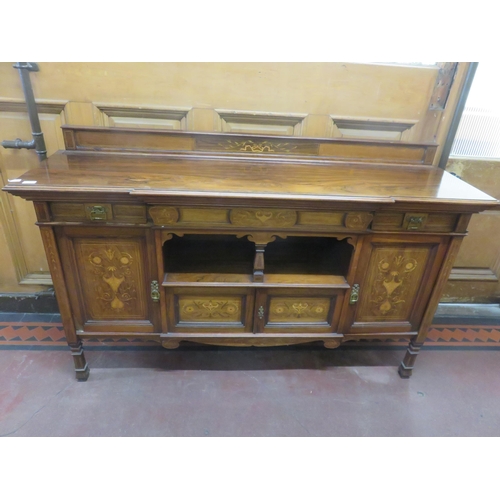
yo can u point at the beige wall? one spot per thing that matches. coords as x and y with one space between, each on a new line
386 102
475 278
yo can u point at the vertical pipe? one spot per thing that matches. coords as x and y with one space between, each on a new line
24 69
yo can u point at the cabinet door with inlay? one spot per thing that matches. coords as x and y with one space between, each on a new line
395 277
297 311
111 273
219 310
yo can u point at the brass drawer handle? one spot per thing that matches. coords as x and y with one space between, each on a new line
97 212
354 294
415 223
260 312
155 293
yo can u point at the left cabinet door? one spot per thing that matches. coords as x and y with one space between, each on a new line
110 271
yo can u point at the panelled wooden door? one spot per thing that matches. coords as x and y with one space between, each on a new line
396 276
381 101
112 283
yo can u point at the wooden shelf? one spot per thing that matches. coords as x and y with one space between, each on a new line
239 280
309 280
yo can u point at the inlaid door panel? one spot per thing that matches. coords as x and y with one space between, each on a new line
396 277
297 311
210 310
113 279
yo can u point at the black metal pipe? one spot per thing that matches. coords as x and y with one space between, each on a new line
455 122
19 144
38 142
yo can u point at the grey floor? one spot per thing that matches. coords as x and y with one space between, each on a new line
250 392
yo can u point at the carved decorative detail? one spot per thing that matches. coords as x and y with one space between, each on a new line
302 310
170 343
203 309
263 218
261 238
332 344
250 146
358 220
164 215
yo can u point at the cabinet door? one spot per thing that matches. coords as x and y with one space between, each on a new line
110 271
396 276
297 311
210 310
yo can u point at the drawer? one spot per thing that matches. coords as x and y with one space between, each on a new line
415 222
298 311
198 310
98 212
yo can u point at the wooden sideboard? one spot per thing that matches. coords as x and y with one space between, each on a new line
238 240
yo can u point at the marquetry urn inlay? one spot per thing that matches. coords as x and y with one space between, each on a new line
112 279
393 280
394 275
113 267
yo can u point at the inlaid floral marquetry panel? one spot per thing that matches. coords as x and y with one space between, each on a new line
113 279
392 283
263 218
192 309
299 310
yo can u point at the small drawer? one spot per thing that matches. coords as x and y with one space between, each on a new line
199 310
81 212
298 311
415 222
98 212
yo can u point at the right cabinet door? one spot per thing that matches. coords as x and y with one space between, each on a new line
396 275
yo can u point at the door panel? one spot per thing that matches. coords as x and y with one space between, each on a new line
113 279
393 279
396 276
112 275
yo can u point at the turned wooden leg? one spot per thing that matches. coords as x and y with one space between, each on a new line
406 366
82 370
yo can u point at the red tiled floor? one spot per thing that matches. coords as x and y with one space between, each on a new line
38 334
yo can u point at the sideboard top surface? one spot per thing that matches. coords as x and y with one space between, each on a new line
153 176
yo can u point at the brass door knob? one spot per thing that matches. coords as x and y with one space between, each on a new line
354 294
155 293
